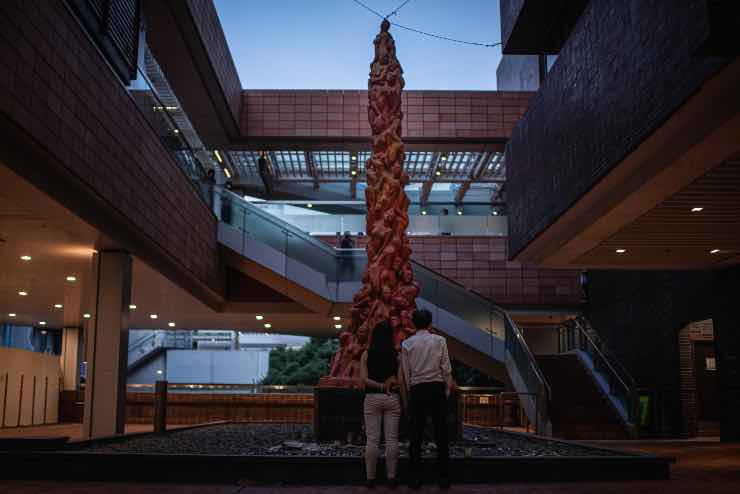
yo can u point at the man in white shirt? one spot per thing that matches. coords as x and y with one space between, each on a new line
427 375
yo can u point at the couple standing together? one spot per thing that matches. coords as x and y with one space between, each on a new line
418 380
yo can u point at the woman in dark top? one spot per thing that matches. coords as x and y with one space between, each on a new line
379 371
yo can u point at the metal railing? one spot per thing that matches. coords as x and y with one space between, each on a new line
574 335
223 388
348 265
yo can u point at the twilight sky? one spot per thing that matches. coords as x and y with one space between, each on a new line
327 44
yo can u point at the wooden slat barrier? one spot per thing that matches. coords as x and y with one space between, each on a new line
194 408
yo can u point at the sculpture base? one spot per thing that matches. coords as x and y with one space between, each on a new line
338 413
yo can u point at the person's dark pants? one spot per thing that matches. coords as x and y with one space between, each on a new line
429 400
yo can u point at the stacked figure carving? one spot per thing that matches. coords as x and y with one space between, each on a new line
388 288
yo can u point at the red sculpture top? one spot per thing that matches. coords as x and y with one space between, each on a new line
388 288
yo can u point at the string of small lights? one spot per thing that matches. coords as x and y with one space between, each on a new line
419 31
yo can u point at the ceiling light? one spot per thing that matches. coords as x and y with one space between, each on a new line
12 314
71 278
268 325
621 251
43 332
309 205
86 315
423 212
353 173
354 158
58 306
338 326
22 293
494 212
337 318
132 306
438 173
176 131
259 317
25 258
160 371
153 316
696 209
43 323
227 173
459 212
171 324
443 158
218 156
714 251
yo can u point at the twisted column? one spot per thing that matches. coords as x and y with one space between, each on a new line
388 288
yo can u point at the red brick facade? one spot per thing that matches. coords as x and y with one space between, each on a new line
57 92
696 331
487 115
480 264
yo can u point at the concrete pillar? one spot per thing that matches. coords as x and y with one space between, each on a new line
107 346
726 320
70 359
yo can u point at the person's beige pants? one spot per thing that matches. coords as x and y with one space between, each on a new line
386 407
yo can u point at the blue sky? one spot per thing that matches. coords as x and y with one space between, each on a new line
327 44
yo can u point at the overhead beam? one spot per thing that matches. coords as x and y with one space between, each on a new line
474 175
426 189
312 171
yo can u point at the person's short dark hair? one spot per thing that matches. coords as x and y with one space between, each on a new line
422 319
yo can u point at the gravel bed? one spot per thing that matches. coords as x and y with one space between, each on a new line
298 440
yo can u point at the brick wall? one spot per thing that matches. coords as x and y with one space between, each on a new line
212 35
343 113
696 331
480 264
624 69
60 100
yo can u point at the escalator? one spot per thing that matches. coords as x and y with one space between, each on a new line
325 279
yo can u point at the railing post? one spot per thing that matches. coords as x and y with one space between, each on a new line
160 407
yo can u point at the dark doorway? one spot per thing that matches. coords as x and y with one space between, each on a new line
707 397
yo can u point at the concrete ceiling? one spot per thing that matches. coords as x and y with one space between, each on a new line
61 245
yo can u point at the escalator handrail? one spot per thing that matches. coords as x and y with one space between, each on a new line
328 249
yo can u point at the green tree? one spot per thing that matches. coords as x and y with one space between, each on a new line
304 366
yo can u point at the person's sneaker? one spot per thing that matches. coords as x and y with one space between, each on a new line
392 483
444 483
370 483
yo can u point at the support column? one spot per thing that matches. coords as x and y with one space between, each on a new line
107 346
726 320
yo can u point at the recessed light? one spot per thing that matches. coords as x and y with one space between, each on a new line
438 173
218 156
354 158
132 306
696 209
58 306
714 251
337 318
444 158
423 213
160 371
171 324
176 131
338 326
259 317
86 315
22 293
268 325
12 314
43 332
495 213
353 172
71 278
153 316
43 323
309 205
25 258
459 212
621 251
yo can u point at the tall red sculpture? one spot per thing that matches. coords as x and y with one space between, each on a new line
388 288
